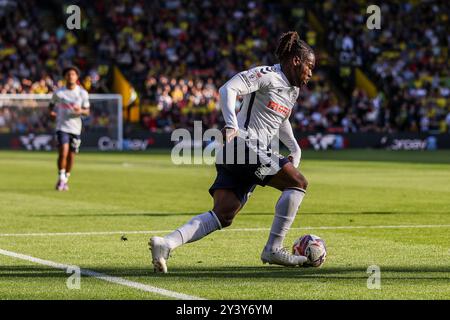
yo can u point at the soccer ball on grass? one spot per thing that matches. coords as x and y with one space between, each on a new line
312 247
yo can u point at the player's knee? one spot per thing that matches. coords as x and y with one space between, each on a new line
64 151
304 183
301 181
226 213
226 221
225 218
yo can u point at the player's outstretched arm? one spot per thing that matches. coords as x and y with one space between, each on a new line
51 107
51 110
287 137
243 83
228 94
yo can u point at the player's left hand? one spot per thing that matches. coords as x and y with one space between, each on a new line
229 133
294 158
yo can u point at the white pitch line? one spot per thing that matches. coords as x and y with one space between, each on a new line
350 227
102 276
95 233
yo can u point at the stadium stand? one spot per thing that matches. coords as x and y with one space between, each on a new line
177 54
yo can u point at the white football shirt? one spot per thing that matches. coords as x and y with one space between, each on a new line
64 101
268 99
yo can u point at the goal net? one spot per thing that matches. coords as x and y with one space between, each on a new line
25 122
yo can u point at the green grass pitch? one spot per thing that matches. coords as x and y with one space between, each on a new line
362 203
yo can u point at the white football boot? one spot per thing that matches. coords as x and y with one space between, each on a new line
282 257
160 253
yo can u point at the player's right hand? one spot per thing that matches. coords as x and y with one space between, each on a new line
52 115
229 133
76 110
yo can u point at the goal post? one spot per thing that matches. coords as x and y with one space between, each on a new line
27 114
95 99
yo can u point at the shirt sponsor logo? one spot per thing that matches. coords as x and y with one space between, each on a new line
278 108
66 105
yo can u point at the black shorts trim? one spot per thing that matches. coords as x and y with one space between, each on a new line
297 189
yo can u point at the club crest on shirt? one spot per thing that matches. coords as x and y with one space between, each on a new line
250 76
253 76
293 95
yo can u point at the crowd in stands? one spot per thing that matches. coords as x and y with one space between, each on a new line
36 119
177 54
178 102
408 57
33 55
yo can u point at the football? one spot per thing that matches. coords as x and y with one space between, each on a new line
312 247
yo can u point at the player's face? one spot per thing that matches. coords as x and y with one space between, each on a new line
71 77
303 69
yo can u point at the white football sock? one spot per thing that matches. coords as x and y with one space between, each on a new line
197 228
285 212
62 174
67 176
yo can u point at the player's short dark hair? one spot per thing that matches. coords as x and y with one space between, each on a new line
291 45
67 69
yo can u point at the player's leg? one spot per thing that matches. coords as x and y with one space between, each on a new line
63 151
288 177
293 186
226 206
73 149
229 193
70 160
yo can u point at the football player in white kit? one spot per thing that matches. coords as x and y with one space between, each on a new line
269 94
67 105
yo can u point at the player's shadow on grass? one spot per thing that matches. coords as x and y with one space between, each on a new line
132 214
242 272
191 214
331 273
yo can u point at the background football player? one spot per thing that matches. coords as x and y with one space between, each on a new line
67 106
269 94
